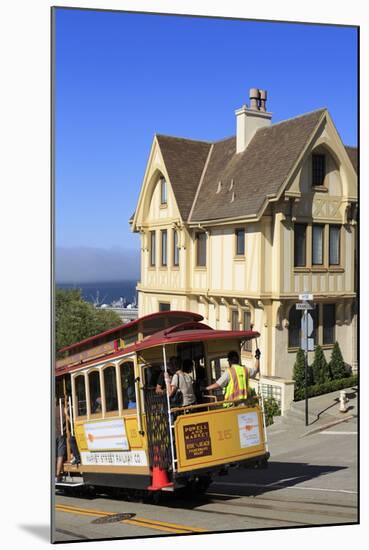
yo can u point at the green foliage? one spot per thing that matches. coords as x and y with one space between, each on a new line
299 369
271 409
326 387
76 319
337 365
320 367
299 372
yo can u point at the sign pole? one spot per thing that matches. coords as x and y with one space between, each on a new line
306 368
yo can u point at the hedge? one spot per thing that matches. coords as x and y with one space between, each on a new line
326 387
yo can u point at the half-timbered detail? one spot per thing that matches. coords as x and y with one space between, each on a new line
258 218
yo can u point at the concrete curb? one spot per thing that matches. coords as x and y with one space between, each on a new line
328 425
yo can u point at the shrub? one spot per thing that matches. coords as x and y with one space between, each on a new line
320 367
326 387
337 366
271 409
299 370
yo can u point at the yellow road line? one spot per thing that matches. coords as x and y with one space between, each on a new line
87 510
79 512
143 522
154 526
171 525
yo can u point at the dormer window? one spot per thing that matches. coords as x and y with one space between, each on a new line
318 170
163 191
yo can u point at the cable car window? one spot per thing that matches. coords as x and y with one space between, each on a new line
110 385
81 395
95 391
192 350
127 376
151 375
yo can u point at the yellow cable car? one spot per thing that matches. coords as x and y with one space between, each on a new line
125 429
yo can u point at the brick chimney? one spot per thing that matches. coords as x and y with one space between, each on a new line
250 119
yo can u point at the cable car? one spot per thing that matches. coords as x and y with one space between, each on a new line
130 435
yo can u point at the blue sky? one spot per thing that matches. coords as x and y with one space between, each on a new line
121 78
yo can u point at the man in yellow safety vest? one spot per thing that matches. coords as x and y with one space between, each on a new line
235 379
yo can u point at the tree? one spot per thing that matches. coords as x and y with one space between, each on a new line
337 366
76 319
299 370
320 367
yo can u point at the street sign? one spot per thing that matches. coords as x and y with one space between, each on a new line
305 305
307 344
306 296
307 326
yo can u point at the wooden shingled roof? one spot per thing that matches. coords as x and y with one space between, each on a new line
247 178
210 181
352 153
184 160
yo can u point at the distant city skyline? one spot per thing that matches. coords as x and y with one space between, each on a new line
122 77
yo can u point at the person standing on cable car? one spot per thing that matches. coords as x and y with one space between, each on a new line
60 443
235 379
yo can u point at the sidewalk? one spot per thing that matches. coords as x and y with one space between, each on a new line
323 412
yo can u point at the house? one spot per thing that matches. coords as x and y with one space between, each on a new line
236 229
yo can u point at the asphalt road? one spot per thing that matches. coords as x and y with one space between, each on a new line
311 480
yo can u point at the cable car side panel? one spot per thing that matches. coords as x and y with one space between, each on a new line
217 437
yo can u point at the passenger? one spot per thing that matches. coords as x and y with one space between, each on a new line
235 379
59 441
182 382
75 456
97 405
131 394
200 383
171 367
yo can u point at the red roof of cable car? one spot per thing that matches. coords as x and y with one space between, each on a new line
201 335
128 326
184 332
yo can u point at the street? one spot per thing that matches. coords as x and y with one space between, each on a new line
311 480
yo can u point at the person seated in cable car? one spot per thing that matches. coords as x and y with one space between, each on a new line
97 405
131 394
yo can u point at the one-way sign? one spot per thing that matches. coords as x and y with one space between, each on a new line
305 305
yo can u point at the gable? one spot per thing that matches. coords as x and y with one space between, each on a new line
184 161
340 176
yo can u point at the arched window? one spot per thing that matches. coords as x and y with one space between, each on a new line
81 395
294 328
110 385
95 392
127 377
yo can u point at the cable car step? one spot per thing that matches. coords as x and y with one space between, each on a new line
171 488
71 483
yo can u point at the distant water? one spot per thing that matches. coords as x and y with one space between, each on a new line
107 292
